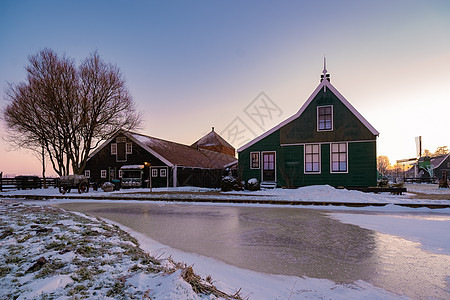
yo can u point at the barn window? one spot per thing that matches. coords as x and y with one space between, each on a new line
113 149
154 172
325 118
103 173
87 173
254 160
162 173
129 148
339 157
312 158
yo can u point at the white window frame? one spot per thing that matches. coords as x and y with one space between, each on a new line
113 149
319 156
120 173
332 118
87 173
129 148
338 153
259 160
162 172
154 172
103 173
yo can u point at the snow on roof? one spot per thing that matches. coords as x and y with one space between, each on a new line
127 167
173 153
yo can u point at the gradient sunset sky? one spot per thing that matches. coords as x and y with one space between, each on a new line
191 65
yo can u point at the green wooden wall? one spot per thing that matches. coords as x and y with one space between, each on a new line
290 158
290 165
347 127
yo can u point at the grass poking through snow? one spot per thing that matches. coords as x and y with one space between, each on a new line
48 253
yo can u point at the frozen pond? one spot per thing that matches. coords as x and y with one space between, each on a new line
286 240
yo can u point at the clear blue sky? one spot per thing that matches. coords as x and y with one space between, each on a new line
191 65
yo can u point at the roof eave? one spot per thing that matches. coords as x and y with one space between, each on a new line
324 83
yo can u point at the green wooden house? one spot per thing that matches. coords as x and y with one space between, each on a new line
326 142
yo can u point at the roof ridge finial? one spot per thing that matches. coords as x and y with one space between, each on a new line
325 74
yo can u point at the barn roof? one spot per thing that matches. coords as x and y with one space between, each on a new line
172 153
211 139
438 160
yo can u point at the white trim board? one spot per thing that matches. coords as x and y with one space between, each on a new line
328 142
323 84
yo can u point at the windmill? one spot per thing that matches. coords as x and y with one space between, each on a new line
419 162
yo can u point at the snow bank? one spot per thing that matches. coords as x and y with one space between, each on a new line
430 231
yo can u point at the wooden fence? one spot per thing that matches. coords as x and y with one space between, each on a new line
26 182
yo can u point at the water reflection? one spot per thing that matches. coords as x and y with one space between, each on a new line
289 241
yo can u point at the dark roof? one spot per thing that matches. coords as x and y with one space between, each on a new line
173 153
438 160
211 139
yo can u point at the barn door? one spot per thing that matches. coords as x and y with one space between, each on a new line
268 167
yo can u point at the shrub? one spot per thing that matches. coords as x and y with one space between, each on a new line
253 184
229 183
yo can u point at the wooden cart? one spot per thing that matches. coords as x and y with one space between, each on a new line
80 182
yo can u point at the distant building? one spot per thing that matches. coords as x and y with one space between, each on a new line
326 142
167 163
214 142
424 165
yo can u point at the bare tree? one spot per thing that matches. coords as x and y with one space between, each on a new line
441 150
36 113
383 164
68 111
106 106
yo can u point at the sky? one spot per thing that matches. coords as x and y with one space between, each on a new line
193 65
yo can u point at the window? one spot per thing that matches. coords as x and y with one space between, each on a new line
162 173
324 118
120 173
339 157
129 148
113 149
312 158
103 173
154 172
87 173
254 160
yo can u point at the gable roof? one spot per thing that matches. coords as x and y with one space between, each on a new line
211 139
175 154
324 84
438 160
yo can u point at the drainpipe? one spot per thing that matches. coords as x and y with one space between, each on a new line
175 175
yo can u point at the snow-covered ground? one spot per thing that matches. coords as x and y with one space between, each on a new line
46 253
428 227
308 193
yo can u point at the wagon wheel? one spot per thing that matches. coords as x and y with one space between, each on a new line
83 188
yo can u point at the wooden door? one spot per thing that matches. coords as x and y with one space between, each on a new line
268 166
